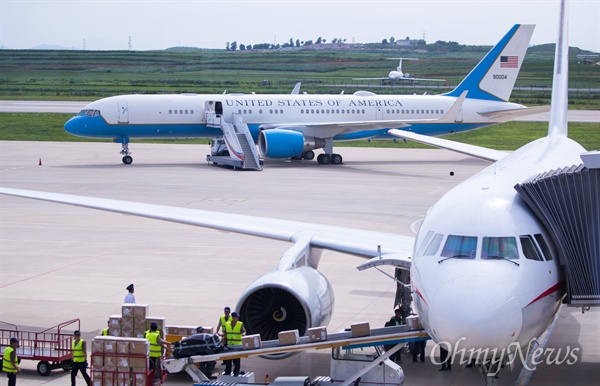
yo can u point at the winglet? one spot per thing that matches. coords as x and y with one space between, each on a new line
560 82
495 75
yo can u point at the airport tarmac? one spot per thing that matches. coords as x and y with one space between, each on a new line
59 262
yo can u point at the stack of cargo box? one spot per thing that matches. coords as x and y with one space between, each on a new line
121 358
118 361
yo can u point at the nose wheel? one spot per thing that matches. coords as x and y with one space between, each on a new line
127 158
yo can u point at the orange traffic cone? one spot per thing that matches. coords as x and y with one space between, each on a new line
267 379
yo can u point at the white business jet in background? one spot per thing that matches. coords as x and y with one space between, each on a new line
485 272
399 75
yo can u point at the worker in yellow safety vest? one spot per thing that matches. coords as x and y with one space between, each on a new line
234 330
105 331
224 319
79 362
10 361
156 347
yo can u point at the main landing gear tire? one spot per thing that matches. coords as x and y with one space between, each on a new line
324 159
336 159
308 155
127 160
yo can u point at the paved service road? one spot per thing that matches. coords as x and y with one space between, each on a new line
74 107
60 262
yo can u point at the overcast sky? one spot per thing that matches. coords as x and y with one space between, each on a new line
153 24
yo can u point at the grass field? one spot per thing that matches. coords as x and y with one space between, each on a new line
90 75
507 136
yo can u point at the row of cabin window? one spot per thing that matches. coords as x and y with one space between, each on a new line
181 111
412 111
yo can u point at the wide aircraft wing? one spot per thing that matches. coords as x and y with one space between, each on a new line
363 243
463 148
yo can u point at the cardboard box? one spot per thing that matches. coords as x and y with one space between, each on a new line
139 346
127 323
138 364
251 341
110 363
360 329
123 364
317 334
110 346
114 321
97 361
414 323
141 311
123 379
97 345
114 331
127 310
289 337
122 347
140 379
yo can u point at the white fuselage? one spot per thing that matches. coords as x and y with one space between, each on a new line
466 296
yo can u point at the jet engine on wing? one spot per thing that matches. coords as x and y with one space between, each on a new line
299 298
284 143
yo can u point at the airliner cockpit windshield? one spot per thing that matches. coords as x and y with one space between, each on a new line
89 113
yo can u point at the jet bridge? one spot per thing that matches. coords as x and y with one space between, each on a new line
395 335
567 201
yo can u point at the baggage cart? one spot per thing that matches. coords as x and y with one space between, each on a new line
52 346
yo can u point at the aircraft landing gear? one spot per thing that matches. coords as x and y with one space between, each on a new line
127 158
325 159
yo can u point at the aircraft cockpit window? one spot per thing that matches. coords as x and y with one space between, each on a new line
96 113
434 246
464 247
499 248
82 113
530 250
544 246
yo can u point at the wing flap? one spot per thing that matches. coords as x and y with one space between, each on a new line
472 150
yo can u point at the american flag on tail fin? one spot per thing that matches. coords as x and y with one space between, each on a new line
509 61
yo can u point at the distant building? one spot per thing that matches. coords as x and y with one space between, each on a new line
408 42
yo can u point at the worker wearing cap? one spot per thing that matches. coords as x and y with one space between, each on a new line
79 362
224 319
10 361
130 297
234 330
156 347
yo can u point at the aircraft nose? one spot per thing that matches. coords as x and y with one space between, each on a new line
477 311
72 126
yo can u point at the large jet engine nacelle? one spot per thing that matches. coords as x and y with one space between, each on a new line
283 143
296 299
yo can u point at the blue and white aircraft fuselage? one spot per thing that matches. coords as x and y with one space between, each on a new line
293 125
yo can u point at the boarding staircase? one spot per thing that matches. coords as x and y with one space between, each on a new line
567 201
240 144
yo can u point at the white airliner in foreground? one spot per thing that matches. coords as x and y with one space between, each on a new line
484 271
399 75
294 125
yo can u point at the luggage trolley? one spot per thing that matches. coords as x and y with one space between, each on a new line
52 346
